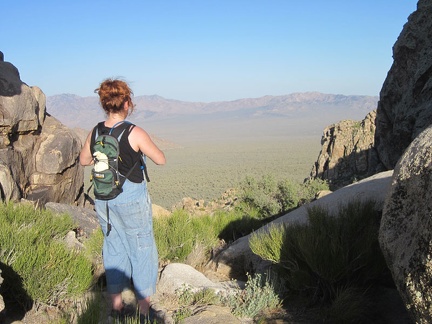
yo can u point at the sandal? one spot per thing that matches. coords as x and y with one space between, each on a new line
149 318
121 314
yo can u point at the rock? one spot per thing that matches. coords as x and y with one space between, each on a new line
347 152
405 105
72 242
406 227
200 207
39 155
9 188
212 315
86 219
322 193
159 211
176 276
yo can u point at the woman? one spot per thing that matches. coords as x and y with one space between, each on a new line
129 251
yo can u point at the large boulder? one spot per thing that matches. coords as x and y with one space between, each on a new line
405 105
38 154
406 227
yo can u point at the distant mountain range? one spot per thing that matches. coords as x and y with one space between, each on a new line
297 113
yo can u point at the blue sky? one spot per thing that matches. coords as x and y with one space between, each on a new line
204 50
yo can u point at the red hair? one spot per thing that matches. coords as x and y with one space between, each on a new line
113 94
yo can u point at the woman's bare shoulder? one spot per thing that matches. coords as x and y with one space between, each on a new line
137 131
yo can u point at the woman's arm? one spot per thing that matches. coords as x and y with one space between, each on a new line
86 157
141 141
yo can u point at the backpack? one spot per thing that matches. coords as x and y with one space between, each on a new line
105 177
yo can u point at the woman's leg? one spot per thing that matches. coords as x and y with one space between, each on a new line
116 302
115 257
141 243
144 305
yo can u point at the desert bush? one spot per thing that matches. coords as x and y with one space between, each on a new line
330 254
260 294
309 188
261 194
188 297
178 235
288 194
174 236
93 245
36 264
271 197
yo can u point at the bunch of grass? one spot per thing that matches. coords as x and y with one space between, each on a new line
188 300
330 256
174 236
36 264
178 235
260 294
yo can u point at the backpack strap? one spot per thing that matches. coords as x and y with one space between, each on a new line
144 166
122 127
142 159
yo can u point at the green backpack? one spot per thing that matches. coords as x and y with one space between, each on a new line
106 179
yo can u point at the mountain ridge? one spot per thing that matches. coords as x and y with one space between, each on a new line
301 111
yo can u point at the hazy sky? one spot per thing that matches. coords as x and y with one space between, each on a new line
208 50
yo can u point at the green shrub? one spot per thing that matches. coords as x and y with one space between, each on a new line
206 296
262 195
32 253
177 235
174 236
93 245
288 194
271 198
269 244
328 255
309 188
260 294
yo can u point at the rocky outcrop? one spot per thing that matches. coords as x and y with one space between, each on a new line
406 227
404 110
405 105
38 155
347 152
